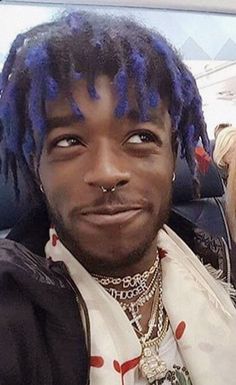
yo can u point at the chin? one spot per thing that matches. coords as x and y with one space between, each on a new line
106 254
109 250
108 260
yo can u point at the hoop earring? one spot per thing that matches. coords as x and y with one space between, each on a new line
41 188
173 177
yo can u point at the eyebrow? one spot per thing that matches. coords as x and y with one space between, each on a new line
154 117
133 114
61 121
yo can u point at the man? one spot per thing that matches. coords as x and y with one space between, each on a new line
92 108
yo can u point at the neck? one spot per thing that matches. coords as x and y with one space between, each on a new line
130 265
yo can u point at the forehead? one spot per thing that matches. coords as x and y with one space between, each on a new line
105 103
105 92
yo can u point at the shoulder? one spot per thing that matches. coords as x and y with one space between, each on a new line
20 263
15 304
21 348
31 294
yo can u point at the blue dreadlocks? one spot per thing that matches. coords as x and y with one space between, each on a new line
46 60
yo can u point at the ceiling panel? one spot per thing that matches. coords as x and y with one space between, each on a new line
226 6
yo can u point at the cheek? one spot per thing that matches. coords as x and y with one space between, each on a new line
162 187
60 182
154 183
160 192
157 174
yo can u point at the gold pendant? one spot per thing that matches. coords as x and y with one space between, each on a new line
151 366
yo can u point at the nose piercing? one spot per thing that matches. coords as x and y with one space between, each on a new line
105 190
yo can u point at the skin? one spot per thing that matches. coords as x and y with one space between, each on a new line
78 157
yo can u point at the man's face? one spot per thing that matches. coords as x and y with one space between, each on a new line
81 157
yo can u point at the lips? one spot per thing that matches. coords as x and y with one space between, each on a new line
111 215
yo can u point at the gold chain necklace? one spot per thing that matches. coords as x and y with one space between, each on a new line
141 289
151 365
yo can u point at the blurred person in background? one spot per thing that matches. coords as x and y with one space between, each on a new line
224 156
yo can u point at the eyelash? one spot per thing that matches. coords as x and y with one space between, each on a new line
152 138
67 137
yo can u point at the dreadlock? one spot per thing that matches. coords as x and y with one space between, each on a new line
46 60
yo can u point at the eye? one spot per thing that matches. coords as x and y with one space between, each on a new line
142 137
66 142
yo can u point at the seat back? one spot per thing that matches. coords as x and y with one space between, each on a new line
206 212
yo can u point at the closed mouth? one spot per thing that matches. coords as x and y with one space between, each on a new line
109 209
110 215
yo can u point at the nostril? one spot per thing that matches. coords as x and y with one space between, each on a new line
121 183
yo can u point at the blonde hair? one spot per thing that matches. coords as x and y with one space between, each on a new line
225 142
220 127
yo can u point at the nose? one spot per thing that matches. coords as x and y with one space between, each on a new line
107 169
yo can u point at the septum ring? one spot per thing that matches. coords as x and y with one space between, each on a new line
105 190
